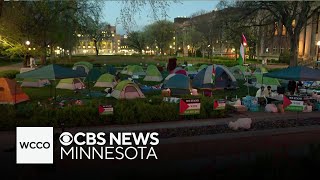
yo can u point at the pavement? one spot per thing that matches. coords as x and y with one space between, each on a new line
16 66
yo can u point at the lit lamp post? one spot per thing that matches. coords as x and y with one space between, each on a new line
170 49
27 57
188 49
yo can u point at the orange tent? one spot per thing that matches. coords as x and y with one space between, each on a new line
10 92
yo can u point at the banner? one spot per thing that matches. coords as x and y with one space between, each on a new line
189 106
219 104
296 104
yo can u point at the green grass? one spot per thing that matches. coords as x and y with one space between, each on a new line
8 61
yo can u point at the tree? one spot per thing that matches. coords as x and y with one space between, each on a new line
137 40
294 15
161 34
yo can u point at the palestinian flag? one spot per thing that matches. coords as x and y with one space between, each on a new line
241 57
244 40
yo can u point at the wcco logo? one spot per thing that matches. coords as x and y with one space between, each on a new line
34 145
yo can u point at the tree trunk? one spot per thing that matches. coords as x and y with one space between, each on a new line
294 41
44 55
97 50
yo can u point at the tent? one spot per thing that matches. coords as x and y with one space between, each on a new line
50 72
136 70
266 81
240 72
178 84
127 90
106 80
93 75
83 65
223 78
125 69
203 66
153 74
179 70
34 83
191 70
10 92
70 83
297 73
109 69
260 70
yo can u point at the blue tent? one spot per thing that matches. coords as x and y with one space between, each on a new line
109 69
297 73
223 78
178 84
93 75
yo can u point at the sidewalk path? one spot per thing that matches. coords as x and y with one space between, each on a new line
16 66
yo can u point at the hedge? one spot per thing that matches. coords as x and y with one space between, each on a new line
11 74
125 112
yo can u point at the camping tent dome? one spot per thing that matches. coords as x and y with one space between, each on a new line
178 84
83 65
179 70
70 83
240 72
10 92
93 75
127 90
266 81
106 80
260 70
153 74
203 66
191 70
222 79
136 70
125 70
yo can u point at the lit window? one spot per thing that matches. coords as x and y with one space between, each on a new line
275 28
284 30
112 35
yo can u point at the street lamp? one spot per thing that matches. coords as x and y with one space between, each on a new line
27 43
170 49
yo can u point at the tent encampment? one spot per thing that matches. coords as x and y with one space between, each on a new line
178 84
153 74
84 65
223 78
136 70
106 80
127 90
70 83
240 72
35 83
11 92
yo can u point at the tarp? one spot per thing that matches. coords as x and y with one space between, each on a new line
153 74
50 72
10 92
297 73
106 80
127 90
84 64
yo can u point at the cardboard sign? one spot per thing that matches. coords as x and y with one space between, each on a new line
105 110
296 104
219 104
189 106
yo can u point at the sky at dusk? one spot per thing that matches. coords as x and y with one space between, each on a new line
111 12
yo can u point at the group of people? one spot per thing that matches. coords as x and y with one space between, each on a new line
262 92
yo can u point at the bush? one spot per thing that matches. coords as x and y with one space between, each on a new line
284 58
10 74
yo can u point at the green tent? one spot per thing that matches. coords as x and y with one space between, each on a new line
240 72
106 80
135 70
203 66
191 70
153 74
266 81
70 83
260 70
50 72
127 90
125 69
83 65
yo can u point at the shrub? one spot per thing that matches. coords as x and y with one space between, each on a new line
11 74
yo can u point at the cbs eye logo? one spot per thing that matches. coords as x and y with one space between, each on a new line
66 138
